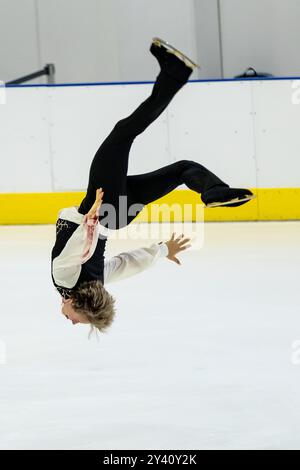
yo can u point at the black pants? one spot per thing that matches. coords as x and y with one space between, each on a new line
110 164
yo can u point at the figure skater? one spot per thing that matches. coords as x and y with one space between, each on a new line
78 269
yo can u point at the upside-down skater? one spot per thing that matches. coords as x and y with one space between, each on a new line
79 269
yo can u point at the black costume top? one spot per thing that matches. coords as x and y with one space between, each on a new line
78 253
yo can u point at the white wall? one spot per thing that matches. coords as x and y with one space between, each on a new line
209 54
108 40
138 21
18 38
91 40
246 132
80 37
264 34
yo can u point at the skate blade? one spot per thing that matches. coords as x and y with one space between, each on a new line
232 201
172 50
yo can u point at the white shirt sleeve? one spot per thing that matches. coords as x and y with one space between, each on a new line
78 249
132 262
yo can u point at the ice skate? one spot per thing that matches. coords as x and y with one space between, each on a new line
172 50
225 196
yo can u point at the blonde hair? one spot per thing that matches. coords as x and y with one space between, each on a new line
92 300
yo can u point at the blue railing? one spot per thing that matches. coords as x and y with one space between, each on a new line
212 80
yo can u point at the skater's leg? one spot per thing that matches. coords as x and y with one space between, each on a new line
163 92
110 164
173 75
148 187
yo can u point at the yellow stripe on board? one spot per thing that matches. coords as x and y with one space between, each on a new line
43 208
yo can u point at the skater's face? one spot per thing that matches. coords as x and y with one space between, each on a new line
70 314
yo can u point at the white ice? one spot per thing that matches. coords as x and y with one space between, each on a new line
200 356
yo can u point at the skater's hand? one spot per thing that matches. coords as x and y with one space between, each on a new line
94 210
175 245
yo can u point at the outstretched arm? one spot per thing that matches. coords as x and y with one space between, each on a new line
129 263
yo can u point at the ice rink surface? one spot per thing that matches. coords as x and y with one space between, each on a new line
200 356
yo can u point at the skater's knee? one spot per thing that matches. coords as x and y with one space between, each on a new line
117 130
120 124
122 132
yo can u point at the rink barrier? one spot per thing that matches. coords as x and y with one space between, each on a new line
143 82
249 138
43 208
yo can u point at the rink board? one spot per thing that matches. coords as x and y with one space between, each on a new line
247 132
270 204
